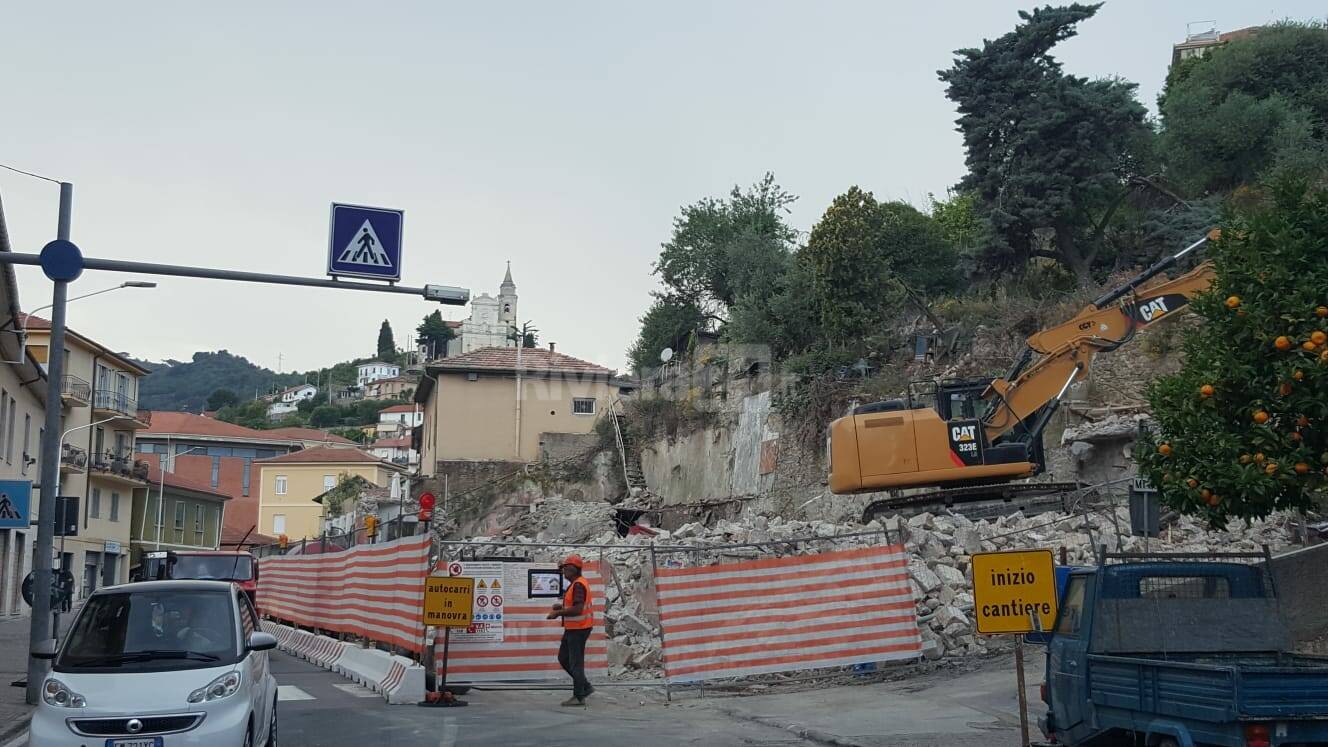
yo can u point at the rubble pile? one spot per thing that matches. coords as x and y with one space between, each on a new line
940 546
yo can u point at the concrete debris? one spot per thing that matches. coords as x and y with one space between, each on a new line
940 548
1114 428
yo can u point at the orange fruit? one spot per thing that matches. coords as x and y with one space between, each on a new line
1271 468
1308 346
1303 421
1192 482
1302 468
1321 312
1205 494
1164 449
1323 357
1233 302
1282 343
1298 375
1206 391
1319 337
1295 437
1245 459
1213 500
1259 457
1260 417
1284 389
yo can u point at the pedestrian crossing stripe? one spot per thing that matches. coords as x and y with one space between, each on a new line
357 690
291 692
365 248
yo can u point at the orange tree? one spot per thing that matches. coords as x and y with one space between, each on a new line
1242 429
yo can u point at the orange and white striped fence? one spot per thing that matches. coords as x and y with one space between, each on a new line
777 614
528 651
373 591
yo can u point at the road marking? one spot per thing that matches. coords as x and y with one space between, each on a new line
291 692
359 691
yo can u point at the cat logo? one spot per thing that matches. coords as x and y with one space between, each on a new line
964 433
1153 309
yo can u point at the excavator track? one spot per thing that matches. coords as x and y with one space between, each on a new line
968 494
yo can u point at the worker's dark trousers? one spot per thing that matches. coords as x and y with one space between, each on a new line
572 655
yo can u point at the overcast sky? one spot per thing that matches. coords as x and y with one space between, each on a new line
561 136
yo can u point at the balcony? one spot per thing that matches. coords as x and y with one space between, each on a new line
75 392
121 468
73 459
108 403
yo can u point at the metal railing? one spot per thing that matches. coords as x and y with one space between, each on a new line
76 388
115 401
73 456
120 463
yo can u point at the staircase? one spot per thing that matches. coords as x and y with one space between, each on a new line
628 453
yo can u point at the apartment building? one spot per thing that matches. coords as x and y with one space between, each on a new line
290 483
98 463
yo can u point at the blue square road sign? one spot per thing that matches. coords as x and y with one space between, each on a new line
15 503
365 242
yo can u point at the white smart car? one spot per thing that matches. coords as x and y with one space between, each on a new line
160 664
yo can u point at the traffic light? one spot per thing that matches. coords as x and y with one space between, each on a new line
371 525
282 541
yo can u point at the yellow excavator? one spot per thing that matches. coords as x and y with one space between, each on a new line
970 438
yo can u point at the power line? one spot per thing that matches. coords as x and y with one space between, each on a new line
29 173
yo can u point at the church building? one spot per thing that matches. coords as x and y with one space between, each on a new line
491 320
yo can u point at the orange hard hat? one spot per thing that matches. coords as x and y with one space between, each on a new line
573 559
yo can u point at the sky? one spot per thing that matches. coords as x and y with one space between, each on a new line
564 137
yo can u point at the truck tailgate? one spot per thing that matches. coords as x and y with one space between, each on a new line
1211 691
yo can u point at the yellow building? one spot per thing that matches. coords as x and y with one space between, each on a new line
98 460
288 485
494 403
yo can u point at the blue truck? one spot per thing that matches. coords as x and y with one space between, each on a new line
1160 651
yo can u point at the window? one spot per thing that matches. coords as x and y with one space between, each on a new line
244 486
13 417
248 620
198 524
27 443
179 515
1184 587
4 396
281 484
94 504
115 506
583 406
1072 608
216 470
329 482
279 523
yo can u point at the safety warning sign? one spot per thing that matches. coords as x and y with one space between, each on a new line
447 601
1012 588
486 625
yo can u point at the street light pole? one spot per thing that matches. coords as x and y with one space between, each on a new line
61 272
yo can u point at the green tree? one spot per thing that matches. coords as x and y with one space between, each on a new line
722 249
665 323
387 347
252 414
1049 154
222 398
434 334
1242 428
326 416
1247 108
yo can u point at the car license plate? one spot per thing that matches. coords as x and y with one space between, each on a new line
138 742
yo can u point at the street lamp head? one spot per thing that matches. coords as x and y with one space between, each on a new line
138 284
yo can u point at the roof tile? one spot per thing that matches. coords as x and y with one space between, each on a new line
505 359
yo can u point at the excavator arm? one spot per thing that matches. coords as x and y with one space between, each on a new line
1059 356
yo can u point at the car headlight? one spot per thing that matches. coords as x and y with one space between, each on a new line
58 694
222 687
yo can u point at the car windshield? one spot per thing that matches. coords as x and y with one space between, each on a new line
213 567
152 629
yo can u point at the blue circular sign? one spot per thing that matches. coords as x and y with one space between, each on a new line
61 260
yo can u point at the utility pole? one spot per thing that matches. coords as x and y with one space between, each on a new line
61 263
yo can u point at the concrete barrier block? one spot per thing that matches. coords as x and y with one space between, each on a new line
404 682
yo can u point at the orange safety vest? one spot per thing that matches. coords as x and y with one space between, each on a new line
584 620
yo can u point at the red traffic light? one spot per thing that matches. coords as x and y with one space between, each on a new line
425 514
427 501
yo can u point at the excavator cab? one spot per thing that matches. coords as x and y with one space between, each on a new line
934 436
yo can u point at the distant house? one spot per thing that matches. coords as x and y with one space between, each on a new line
298 393
290 483
375 370
396 387
396 450
397 420
279 409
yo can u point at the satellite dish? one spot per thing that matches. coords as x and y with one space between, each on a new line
666 355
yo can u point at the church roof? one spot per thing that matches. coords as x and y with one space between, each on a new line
507 279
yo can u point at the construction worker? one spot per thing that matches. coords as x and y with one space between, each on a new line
577 619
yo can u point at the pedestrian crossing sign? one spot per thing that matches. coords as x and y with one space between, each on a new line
365 242
15 503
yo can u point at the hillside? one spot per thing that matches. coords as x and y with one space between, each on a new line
176 385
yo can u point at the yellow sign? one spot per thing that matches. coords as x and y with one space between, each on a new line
448 601
1009 587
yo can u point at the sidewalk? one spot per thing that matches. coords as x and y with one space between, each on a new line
13 666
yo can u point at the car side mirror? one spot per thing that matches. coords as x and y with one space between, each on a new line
260 641
45 649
